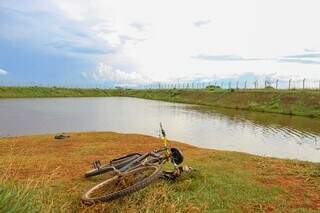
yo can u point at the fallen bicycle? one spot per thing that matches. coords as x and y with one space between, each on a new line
134 172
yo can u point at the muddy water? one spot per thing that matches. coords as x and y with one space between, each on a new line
257 133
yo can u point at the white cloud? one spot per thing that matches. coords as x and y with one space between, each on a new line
106 72
157 40
3 72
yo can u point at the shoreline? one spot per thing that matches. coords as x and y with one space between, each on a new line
12 137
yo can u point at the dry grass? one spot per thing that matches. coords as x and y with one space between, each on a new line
48 174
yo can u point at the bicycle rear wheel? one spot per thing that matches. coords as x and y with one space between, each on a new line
122 185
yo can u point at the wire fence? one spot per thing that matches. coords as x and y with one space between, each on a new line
223 84
241 84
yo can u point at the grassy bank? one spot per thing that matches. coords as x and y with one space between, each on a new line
47 175
290 102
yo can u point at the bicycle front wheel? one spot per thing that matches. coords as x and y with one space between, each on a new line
122 185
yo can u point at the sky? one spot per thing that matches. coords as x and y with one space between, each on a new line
123 42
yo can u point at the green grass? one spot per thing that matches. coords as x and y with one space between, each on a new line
43 92
289 102
24 198
16 199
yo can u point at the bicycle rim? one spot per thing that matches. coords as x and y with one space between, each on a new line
119 186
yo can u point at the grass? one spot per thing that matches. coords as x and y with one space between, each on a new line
15 199
289 102
40 92
47 174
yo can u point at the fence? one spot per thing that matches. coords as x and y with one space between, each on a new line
241 84
224 84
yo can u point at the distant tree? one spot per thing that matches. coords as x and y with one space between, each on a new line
212 87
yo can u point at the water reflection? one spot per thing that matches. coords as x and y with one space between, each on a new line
258 133
302 129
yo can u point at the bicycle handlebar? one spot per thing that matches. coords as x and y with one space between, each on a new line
162 130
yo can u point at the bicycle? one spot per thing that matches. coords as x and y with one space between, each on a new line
133 172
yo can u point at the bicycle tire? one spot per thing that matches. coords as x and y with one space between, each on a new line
90 199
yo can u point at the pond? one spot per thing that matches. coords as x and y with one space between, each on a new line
263 134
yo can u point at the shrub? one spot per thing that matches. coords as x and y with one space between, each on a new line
213 87
269 87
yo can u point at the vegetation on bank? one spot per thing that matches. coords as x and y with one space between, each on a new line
41 174
290 102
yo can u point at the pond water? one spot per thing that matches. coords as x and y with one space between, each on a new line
263 134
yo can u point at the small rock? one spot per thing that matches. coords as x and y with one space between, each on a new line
61 136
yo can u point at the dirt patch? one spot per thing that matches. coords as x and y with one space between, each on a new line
302 191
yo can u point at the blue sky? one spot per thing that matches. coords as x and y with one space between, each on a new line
131 43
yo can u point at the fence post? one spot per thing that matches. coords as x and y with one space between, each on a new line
303 83
277 83
245 84
290 83
237 84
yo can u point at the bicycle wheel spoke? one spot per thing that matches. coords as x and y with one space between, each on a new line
127 183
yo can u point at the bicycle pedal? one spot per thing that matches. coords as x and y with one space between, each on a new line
187 169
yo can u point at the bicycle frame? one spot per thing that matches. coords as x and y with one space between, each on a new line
134 160
158 158
156 155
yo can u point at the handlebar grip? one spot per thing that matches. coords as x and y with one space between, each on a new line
162 130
